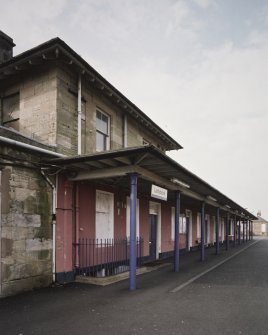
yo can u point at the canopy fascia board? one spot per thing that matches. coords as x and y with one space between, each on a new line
144 174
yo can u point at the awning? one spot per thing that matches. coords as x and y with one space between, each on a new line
152 166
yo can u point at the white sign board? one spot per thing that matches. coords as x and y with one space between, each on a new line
159 193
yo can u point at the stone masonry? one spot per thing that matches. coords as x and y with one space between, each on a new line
26 242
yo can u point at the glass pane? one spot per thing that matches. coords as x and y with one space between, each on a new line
100 142
102 122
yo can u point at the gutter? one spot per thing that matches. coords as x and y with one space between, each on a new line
79 116
29 147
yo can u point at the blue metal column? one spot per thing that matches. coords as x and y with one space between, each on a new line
243 231
133 246
202 251
239 231
217 231
246 230
235 230
177 233
227 232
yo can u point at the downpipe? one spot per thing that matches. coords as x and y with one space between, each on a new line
54 206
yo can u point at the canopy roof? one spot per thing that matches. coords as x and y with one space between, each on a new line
152 166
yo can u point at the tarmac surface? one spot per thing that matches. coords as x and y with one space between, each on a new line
226 294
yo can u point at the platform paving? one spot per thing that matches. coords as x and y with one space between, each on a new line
231 298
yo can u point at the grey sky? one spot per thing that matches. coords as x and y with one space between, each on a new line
197 67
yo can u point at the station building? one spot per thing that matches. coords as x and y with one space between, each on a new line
86 186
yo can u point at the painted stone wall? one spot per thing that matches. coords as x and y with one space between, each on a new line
26 239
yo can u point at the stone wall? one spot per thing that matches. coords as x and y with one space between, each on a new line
26 230
37 104
92 99
260 227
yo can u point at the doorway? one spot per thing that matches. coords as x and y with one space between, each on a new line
188 230
152 236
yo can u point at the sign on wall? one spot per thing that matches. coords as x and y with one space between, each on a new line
159 193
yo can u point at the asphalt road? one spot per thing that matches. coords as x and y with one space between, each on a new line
230 299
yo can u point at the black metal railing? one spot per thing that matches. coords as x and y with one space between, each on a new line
105 257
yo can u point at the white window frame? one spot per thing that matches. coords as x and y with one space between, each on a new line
110 227
100 132
182 224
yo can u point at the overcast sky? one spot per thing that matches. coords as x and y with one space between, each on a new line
198 68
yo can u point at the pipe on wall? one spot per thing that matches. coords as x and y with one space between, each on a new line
0 233
29 147
77 221
125 144
54 207
79 116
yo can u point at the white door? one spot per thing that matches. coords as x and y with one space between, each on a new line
104 215
155 209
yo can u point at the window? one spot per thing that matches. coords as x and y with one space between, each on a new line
10 105
182 224
104 215
102 131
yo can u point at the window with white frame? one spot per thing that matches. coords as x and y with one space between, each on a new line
104 215
102 131
182 224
